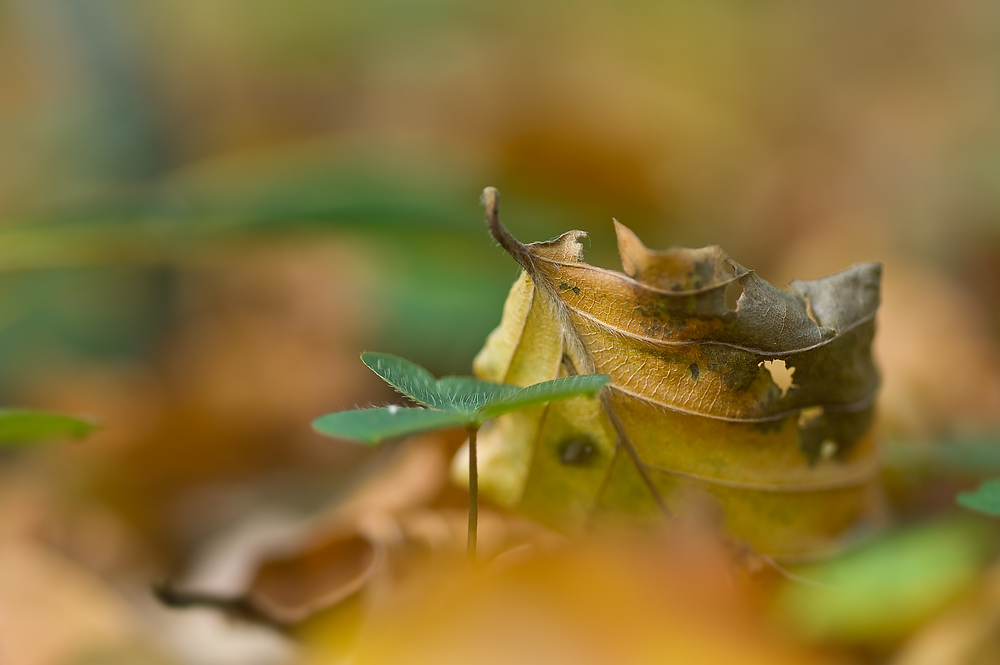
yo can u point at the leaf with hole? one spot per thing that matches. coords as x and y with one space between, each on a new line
722 386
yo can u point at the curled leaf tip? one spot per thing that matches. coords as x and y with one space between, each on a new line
491 201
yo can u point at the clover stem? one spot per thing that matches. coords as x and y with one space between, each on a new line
473 494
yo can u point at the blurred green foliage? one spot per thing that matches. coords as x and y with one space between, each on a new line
879 593
133 137
986 498
969 455
23 426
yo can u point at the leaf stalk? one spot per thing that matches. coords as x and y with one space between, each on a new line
473 495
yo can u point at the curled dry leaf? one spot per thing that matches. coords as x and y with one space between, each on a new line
333 579
693 342
338 567
334 558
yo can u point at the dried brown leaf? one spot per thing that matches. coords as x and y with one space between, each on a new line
693 342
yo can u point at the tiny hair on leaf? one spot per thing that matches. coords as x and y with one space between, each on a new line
376 425
452 401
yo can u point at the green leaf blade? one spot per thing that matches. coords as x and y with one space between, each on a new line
373 426
986 498
407 377
25 426
547 391
469 394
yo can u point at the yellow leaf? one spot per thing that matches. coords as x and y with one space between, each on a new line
723 386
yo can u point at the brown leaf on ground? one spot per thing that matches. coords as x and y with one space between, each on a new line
722 386
327 578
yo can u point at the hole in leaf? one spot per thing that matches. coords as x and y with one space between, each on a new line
828 449
577 451
693 368
781 374
809 310
809 415
733 292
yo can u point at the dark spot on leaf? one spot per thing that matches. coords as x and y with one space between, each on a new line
563 286
694 371
701 274
577 451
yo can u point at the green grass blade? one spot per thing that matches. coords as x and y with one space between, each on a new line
407 377
20 426
548 391
986 498
375 425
